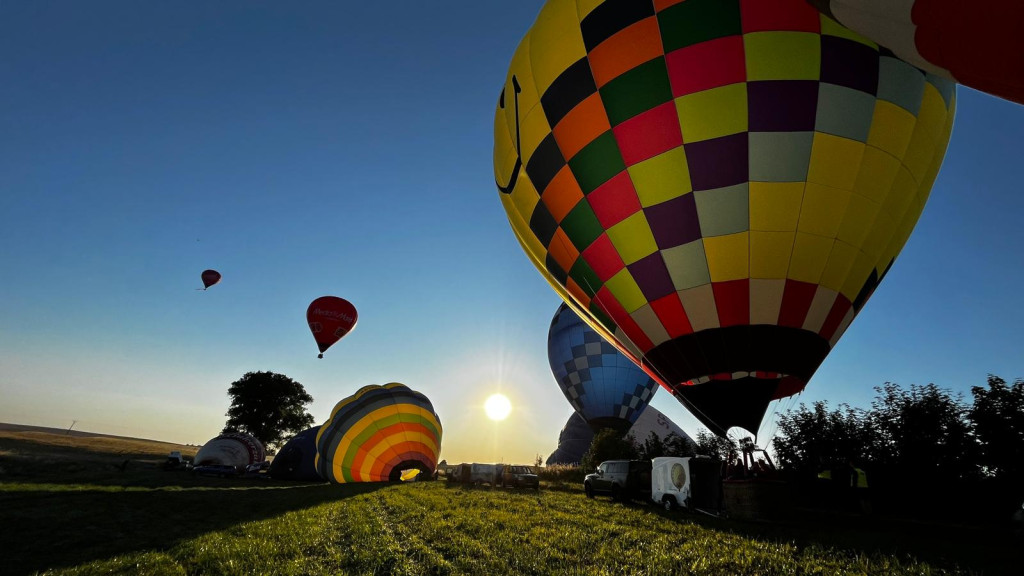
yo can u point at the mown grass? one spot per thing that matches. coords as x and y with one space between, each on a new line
420 528
173 523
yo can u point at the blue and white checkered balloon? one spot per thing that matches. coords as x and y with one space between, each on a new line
601 383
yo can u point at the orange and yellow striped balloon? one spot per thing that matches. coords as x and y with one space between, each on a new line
376 434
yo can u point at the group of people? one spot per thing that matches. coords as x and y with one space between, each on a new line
735 469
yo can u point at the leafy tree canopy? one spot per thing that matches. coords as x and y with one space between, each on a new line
814 439
998 418
269 406
656 447
923 431
715 446
608 444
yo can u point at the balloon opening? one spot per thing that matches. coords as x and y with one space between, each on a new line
406 466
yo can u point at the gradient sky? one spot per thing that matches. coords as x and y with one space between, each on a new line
346 150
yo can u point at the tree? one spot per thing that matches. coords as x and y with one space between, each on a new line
608 444
923 432
269 406
678 446
652 447
814 439
715 446
998 419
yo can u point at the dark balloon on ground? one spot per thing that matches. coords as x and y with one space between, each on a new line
296 460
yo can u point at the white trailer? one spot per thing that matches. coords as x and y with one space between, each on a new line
484 474
689 482
475 473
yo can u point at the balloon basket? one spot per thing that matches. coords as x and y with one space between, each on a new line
756 499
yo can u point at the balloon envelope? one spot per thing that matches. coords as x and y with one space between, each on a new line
979 43
232 449
717 186
601 383
576 435
378 433
296 460
210 277
330 318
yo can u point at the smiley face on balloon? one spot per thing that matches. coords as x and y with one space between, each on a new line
716 186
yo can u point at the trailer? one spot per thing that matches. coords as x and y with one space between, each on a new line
692 482
475 473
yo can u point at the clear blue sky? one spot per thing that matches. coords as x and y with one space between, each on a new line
346 150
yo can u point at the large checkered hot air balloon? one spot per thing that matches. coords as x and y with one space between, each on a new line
376 434
604 386
979 43
717 186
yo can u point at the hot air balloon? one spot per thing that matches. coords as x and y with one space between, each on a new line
600 383
330 318
234 449
296 460
210 277
576 435
377 434
979 43
716 186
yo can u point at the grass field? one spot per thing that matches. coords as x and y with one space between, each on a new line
62 514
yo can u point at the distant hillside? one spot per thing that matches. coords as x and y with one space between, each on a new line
5 426
34 442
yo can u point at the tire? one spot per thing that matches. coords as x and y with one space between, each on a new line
668 503
588 489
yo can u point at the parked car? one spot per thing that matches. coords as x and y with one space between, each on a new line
175 461
519 477
218 470
620 479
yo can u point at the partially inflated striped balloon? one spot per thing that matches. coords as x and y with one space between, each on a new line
376 434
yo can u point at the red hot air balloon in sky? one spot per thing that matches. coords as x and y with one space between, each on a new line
330 318
210 277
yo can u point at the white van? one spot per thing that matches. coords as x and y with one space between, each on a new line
690 482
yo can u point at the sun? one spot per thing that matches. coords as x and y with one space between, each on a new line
497 407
